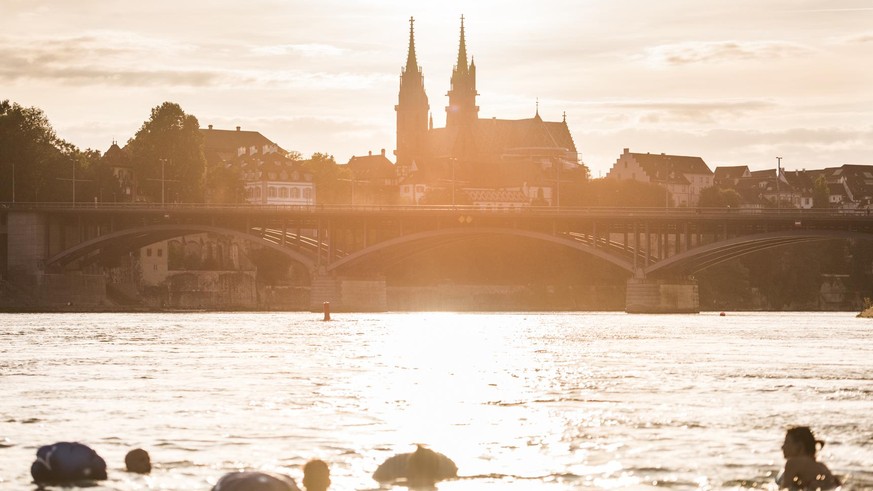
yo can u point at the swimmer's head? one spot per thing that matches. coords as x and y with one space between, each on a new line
137 460
799 440
316 475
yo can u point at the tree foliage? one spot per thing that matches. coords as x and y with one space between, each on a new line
333 182
173 138
613 192
30 149
715 197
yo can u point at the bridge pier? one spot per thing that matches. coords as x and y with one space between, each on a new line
645 296
348 294
27 244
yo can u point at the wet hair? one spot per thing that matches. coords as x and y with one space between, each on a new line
804 436
423 466
316 475
137 460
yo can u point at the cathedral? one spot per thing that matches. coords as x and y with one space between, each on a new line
490 162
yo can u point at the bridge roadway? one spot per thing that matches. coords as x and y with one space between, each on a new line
344 239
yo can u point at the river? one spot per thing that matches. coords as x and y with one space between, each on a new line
559 401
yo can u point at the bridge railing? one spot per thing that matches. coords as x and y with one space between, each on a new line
440 209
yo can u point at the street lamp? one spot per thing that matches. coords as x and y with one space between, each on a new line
163 180
453 160
778 172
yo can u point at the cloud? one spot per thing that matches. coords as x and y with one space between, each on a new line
127 60
859 38
723 52
657 112
307 50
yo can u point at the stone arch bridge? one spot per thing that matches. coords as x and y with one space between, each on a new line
658 248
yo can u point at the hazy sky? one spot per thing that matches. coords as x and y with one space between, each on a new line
735 82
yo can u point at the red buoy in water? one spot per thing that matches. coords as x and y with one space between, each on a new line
327 311
721 314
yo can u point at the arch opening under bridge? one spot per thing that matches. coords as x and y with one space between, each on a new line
137 237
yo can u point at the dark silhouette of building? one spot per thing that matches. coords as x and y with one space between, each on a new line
470 154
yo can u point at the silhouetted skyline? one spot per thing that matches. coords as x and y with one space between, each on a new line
732 82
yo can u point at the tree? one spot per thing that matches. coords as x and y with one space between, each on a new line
821 195
615 192
32 156
225 185
715 197
332 183
170 139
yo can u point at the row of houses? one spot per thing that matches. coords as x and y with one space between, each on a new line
849 186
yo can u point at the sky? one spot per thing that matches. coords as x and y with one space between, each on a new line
735 82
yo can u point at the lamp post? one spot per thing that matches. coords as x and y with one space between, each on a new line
778 172
163 181
453 160
163 161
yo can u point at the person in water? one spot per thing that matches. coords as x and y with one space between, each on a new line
802 471
316 476
255 481
420 469
67 463
138 461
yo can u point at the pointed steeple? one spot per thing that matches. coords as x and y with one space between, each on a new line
412 107
462 109
462 50
411 61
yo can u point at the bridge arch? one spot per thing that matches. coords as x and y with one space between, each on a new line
700 258
133 238
464 233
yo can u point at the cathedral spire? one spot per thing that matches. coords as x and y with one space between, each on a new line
462 108
462 49
412 107
411 61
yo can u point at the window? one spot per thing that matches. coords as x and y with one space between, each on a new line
307 193
149 252
283 193
160 252
295 193
271 192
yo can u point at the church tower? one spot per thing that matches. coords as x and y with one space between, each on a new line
462 109
412 108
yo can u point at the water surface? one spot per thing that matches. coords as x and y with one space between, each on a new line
519 401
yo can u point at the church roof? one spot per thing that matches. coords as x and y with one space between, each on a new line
491 139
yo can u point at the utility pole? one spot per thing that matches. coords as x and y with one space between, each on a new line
13 182
74 181
778 173
163 180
